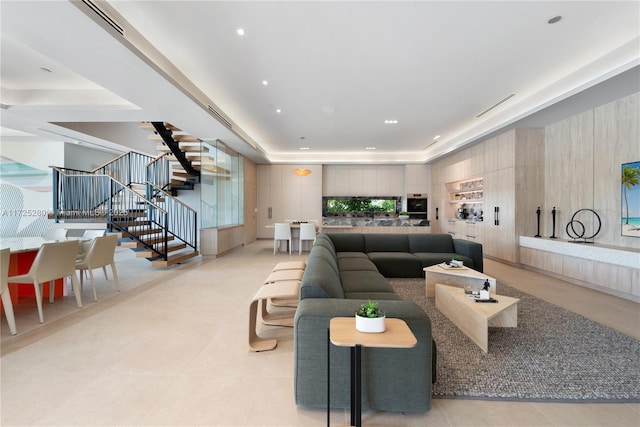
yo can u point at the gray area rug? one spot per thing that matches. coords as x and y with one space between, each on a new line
553 355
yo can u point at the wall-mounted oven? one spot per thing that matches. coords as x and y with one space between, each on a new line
417 205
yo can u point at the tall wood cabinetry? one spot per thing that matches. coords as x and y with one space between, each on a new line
512 169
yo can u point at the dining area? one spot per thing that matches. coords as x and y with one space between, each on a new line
294 235
35 269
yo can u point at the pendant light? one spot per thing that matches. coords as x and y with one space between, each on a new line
302 171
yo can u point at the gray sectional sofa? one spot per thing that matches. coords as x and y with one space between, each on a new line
343 271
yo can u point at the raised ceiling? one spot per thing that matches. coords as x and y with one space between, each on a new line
335 70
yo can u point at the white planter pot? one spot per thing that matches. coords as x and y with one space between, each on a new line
403 217
374 325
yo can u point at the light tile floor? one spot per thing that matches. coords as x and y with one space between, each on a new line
171 350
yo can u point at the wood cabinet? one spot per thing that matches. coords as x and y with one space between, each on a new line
512 186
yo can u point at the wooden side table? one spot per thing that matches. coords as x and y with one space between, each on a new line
343 333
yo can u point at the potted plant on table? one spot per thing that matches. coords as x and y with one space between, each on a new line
403 216
370 318
457 261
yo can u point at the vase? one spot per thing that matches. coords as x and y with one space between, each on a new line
374 325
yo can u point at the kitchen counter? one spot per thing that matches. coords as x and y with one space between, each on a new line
371 223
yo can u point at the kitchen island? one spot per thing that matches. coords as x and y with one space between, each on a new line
375 225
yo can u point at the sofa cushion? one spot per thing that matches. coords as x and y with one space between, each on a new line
434 243
373 296
321 277
324 240
384 242
396 264
364 281
347 242
340 255
351 264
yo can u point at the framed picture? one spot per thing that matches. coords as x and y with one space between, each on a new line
631 199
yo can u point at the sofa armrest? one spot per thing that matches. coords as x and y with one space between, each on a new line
393 379
471 249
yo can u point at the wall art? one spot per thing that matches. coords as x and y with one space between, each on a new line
630 212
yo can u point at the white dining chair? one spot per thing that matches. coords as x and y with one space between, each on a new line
85 244
307 232
55 234
282 232
53 261
7 304
92 234
100 254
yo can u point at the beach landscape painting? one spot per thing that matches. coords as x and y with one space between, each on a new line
631 199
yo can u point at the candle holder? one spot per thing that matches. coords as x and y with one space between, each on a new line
538 217
553 217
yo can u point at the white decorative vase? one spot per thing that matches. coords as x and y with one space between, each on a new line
373 325
403 217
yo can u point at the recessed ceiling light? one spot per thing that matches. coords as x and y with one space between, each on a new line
304 148
264 82
370 148
391 122
436 137
278 111
554 19
328 110
240 32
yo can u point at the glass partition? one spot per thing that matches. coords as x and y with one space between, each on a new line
222 188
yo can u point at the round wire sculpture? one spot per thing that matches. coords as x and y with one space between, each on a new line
575 235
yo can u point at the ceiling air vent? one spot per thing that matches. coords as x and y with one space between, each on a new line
218 116
495 105
106 18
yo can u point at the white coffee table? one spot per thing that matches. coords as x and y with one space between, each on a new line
455 277
474 318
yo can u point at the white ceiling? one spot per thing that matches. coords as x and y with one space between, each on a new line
337 70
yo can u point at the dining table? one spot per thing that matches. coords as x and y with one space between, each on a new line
23 252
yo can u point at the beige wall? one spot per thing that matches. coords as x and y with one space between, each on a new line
583 157
287 196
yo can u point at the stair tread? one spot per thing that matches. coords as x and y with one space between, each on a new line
174 259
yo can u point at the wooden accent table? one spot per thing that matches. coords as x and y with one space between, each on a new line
474 318
343 333
455 277
286 289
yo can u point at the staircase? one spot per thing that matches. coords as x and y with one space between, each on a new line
132 195
184 154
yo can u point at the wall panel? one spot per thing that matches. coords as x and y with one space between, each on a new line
616 141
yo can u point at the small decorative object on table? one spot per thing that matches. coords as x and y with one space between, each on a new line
456 262
370 318
403 215
480 295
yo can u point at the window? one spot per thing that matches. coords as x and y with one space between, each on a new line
222 186
355 205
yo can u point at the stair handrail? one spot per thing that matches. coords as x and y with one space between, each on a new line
130 168
158 171
182 220
90 196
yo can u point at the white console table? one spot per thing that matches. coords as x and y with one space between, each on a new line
609 269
